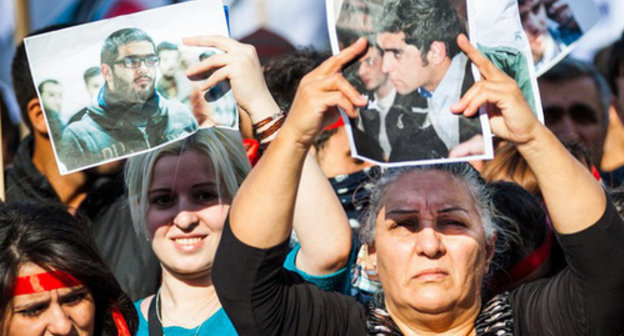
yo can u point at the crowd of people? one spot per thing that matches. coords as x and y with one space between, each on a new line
209 235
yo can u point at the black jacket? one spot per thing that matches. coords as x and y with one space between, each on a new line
130 258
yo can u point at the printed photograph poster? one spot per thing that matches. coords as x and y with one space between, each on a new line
499 36
412 72
115 88
554 26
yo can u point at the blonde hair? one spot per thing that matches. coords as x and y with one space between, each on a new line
222 148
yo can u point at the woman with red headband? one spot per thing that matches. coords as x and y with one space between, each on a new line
52 278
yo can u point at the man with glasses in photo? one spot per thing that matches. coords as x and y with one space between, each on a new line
130 115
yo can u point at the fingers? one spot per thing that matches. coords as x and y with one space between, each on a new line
474 146
216 41
206 67
337 62
341 84
485 66
339 100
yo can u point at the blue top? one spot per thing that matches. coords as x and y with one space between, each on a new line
219 323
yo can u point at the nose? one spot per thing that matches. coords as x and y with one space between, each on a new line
565 129
535 25
186 220
59 322
429 243
386 62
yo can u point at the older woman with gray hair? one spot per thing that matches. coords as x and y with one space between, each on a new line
431 237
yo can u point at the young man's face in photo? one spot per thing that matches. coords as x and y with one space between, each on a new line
134 85
403 63
93 84
370 71
169 62
52 96
533 17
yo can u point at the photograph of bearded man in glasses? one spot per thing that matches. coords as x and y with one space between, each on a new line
130 115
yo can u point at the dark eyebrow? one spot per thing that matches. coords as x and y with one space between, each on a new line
392 50
452 209
400 212
32 304
73 292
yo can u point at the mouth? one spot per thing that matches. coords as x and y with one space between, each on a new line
188 244
431 275
143 80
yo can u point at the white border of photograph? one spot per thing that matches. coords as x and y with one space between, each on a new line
79 47
332 7
486 30
587 14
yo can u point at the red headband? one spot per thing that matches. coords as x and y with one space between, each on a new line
44 282
338 123
120 322
534 260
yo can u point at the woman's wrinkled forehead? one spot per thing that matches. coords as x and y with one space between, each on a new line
428 191
422 187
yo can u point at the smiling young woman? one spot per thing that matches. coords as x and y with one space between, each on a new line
180 196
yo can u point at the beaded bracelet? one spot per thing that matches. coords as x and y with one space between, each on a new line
266 129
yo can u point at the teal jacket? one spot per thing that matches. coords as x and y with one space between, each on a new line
113 129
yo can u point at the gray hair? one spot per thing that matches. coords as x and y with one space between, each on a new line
478 189
461 171
222 148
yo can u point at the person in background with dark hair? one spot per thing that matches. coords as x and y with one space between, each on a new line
53 280
93 81
527 258
173 84
612 164
576 100
97 194
51 92
10 134
130 116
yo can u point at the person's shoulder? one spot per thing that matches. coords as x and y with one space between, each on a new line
142 307
498 51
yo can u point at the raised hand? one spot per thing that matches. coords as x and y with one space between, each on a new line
240 65
320 92
510 115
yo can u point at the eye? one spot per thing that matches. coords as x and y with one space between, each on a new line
162 200
406 224
74 298
34 310
206 196
452 225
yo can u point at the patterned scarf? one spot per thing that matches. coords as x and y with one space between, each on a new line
495 319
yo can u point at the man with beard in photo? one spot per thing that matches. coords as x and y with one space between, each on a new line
130 116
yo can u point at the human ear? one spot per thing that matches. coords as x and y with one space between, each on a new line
437 52
36 117
490 249
372 254
107 73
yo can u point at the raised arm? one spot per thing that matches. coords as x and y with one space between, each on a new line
262 211
319 221
565 183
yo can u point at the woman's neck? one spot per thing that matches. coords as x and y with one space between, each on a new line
458 321
187 302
